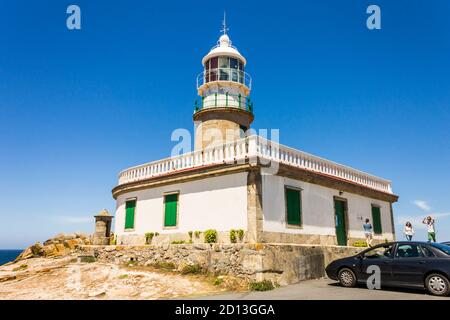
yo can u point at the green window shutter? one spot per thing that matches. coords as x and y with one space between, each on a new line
129 214
376 218
293 207
170 210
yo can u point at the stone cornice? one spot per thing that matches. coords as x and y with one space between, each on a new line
181 176
334 183
287 171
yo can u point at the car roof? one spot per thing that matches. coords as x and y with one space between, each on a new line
404 242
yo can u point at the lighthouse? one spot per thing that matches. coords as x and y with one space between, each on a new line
224 111
218 188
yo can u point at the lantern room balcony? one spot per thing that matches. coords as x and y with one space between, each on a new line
224 101
229 75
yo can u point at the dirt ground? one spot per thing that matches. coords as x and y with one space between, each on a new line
65 278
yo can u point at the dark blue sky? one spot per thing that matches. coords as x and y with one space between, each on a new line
76 107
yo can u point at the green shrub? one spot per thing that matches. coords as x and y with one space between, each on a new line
149 237
264 285
360 243
240 234
197 234
192 269
210 236
178 242
218 281
233 238
156 234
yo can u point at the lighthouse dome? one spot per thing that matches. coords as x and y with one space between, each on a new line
224 48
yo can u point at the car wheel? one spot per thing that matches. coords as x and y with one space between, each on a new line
347 277
437 284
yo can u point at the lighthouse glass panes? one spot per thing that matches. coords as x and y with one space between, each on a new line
224 69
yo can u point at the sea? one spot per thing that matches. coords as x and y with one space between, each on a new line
8 255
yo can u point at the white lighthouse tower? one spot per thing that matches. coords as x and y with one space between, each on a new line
224 111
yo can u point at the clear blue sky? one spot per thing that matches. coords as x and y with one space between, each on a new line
76 107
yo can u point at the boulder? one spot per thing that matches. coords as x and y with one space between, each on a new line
70 236
49 250
32 251
73 243
60 248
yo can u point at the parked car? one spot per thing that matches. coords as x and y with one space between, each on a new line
446 243
402 264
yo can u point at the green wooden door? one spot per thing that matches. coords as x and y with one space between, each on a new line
376 218
170 210
341 230
129 214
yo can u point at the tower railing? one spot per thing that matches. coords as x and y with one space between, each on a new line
253 147
224 74
224 100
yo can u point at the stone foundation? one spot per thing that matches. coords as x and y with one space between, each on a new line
283 264
223 237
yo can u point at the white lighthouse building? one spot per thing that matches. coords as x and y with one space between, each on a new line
234 181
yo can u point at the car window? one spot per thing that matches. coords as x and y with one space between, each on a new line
426 251
383 252
442 247
408 251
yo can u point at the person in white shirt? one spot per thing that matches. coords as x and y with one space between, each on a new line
429 221
408 231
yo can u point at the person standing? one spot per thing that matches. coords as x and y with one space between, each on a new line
429 221
368 232
408 231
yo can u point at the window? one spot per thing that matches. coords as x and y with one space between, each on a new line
213 67
233 63
130 207
427 252
408 251
444 248
376 218
170 210
293 207
224 62
382 252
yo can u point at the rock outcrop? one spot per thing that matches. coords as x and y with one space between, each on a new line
60 245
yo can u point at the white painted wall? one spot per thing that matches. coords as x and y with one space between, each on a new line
318 209
213 203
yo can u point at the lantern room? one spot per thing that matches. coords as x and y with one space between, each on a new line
224 82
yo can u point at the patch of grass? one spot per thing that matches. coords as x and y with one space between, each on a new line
360 243
163 265
21 267
178 242
218 281
192 269
264 285
123 276
87 259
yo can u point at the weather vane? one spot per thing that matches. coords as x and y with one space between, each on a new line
224 23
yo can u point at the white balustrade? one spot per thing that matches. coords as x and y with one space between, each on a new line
252 147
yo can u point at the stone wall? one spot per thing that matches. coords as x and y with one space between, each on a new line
283 264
